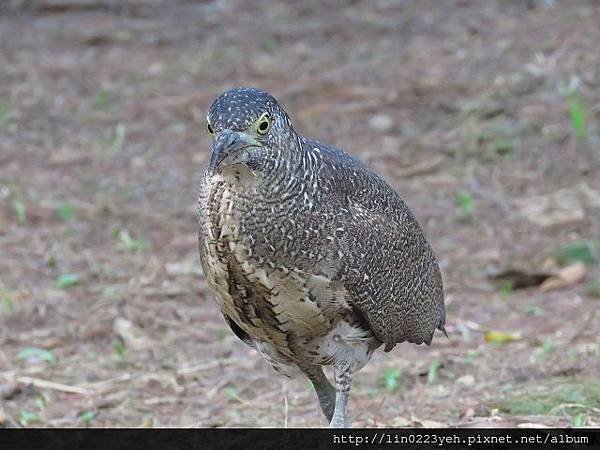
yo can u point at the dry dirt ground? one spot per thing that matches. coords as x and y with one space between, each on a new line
484 115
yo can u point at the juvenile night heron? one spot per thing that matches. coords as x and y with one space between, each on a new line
314 260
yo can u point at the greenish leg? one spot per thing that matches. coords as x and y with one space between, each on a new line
343 383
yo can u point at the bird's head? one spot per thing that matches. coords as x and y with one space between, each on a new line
248 127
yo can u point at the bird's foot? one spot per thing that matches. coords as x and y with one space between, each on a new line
343 382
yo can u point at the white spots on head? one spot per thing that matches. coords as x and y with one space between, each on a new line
239 108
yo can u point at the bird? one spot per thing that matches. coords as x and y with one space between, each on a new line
313 259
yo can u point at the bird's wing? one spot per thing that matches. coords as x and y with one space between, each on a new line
389 268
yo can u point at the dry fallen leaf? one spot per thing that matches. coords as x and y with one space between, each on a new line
495 422
131 335
562 207
67 156
401 422
532 425
565 277
429 423
500 337
466 380
549 265
467 415
519 278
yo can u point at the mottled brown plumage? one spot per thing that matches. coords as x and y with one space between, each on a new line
314 259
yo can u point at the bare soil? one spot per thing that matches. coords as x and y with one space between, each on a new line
484 115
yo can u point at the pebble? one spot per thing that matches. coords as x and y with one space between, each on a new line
381 122
466 380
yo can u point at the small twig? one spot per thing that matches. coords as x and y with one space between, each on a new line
573 405
43 384
107 385
421 168
285 407
285 417
217 387
206 366
160 400
250 404
11 374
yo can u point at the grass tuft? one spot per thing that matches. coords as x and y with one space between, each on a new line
127 242
27 417
4 113
67 280
561 399
391 379
466 205
585 251
577 115
19 208
36 354
65 212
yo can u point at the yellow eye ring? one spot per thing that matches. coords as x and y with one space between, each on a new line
209 128
264 123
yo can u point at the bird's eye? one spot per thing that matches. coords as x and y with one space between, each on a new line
264 123
209 128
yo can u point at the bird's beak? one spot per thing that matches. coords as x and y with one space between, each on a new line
227 146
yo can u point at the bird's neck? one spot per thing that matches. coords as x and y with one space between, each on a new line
282 173
291 170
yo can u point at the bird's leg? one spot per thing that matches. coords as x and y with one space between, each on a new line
343 383
325 391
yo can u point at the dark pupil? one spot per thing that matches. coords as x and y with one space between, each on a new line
263 126
209 127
